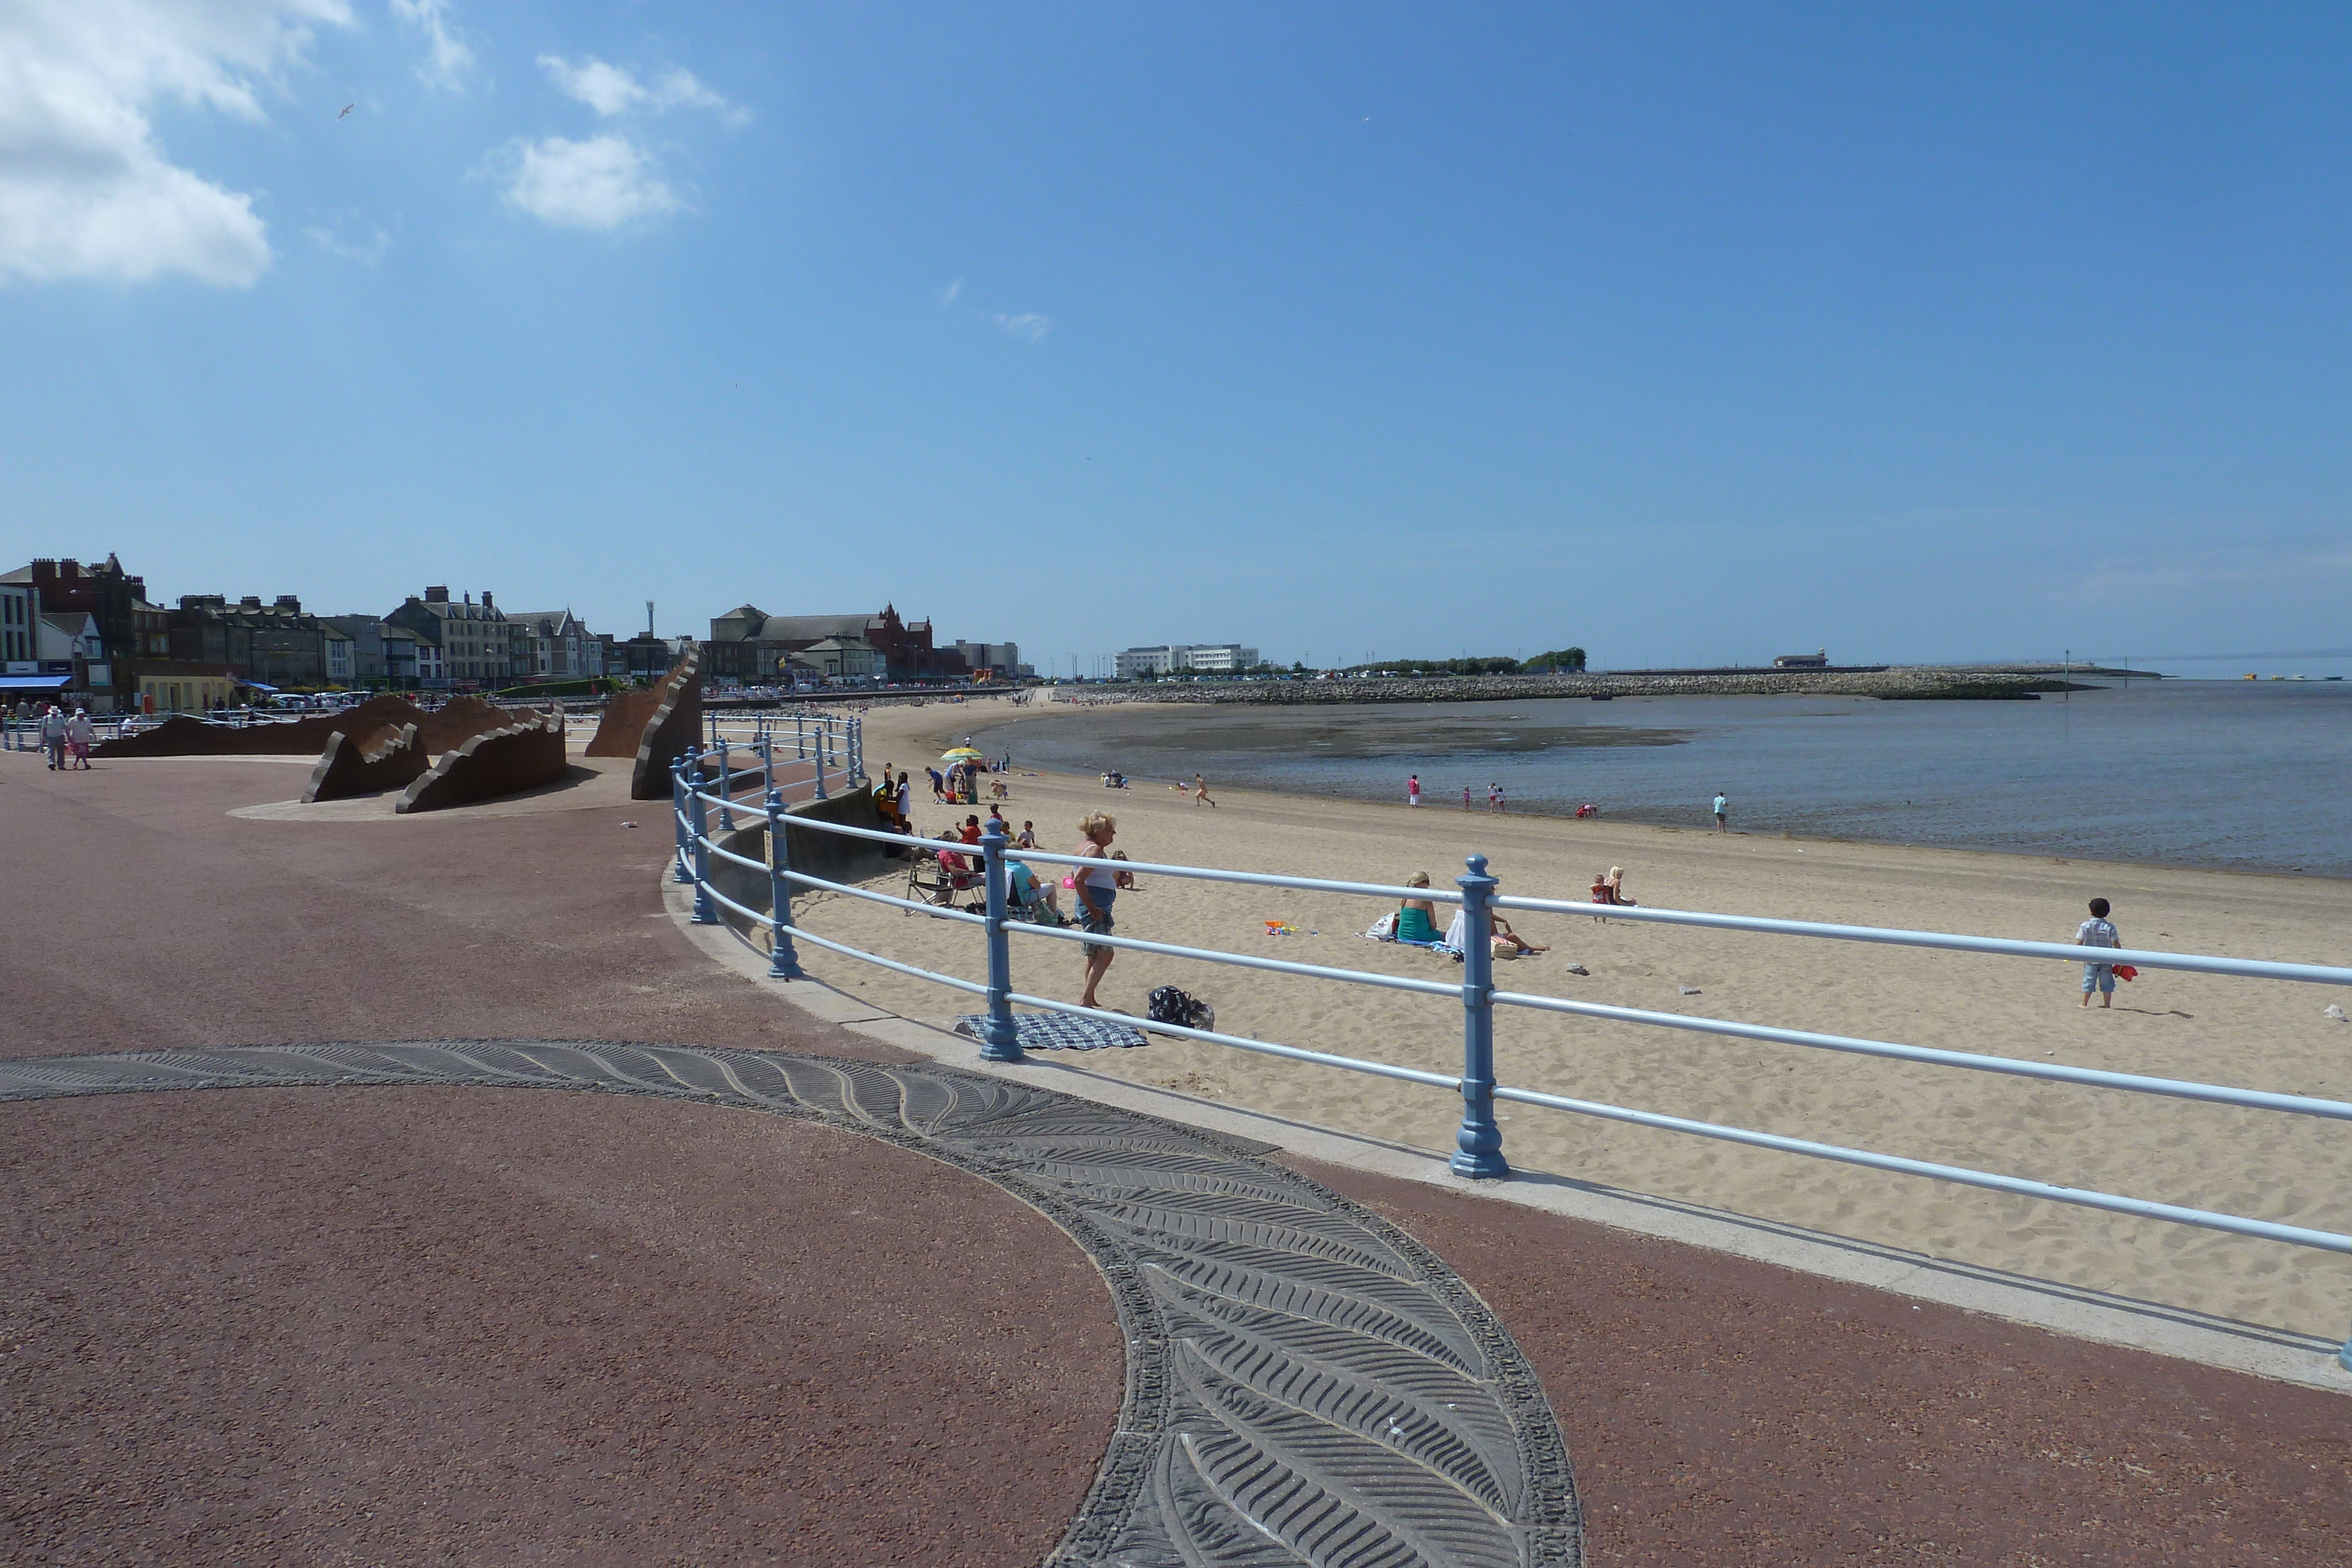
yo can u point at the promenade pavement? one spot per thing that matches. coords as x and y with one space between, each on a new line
438 1325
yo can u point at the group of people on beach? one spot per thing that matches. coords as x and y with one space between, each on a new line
1499 803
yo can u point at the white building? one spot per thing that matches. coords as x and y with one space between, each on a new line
1175 658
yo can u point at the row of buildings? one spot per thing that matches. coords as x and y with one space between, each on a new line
751 646
90 633
1183 658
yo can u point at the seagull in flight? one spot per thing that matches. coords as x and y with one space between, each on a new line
347 109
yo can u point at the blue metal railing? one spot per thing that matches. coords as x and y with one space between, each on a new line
1478 1151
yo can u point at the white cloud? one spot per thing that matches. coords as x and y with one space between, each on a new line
85 189
948 296
364 243
1032 327
604 182
612 90
448 56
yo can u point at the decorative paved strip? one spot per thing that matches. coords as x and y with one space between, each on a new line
1304 1382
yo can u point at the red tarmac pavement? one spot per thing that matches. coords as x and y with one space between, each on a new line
361 1325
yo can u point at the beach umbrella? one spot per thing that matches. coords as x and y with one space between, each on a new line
962 754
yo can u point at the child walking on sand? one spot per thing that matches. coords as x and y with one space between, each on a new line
1200 793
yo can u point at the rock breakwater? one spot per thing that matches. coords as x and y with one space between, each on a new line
1894 685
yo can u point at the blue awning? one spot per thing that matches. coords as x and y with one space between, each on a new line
257 685
35 683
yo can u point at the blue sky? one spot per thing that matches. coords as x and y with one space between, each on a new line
1682 333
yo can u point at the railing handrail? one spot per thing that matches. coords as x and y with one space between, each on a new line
2090 1077
1139 868
1480 1140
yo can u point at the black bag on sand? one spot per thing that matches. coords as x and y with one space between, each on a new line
1169 1005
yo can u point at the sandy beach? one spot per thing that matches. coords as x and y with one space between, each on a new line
2264 1035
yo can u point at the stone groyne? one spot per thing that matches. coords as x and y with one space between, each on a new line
1893 684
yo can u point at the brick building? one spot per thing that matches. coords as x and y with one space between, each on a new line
276 644
749 644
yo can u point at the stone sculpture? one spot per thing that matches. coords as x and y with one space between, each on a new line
348 767
655 725
496 762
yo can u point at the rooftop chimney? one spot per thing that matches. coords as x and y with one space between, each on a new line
290 604
436 596
250 602
486 599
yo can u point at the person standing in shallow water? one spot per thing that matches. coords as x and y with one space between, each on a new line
1413 790
1722 812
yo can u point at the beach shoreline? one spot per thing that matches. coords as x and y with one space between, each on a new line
937 735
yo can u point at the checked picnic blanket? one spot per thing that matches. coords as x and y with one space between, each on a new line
1059 1031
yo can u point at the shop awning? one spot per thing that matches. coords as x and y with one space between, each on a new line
257 685
35 683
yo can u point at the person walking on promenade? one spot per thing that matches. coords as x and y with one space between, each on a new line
2098 931
1200 793
1413 790
1722 812
1097 889
79 733
53 737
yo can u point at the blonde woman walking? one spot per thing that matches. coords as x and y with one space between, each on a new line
1098 888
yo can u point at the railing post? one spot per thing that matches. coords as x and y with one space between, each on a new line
726 791
800 736
999 1038
678 870
783 964
767 764
1478 1144
698 816
856 728
819 761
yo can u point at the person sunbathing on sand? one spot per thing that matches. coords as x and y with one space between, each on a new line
1519 945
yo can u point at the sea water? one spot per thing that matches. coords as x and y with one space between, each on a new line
2249 775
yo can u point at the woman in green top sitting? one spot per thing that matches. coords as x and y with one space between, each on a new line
1417 917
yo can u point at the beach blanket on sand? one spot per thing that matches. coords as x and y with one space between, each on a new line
1058 1031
